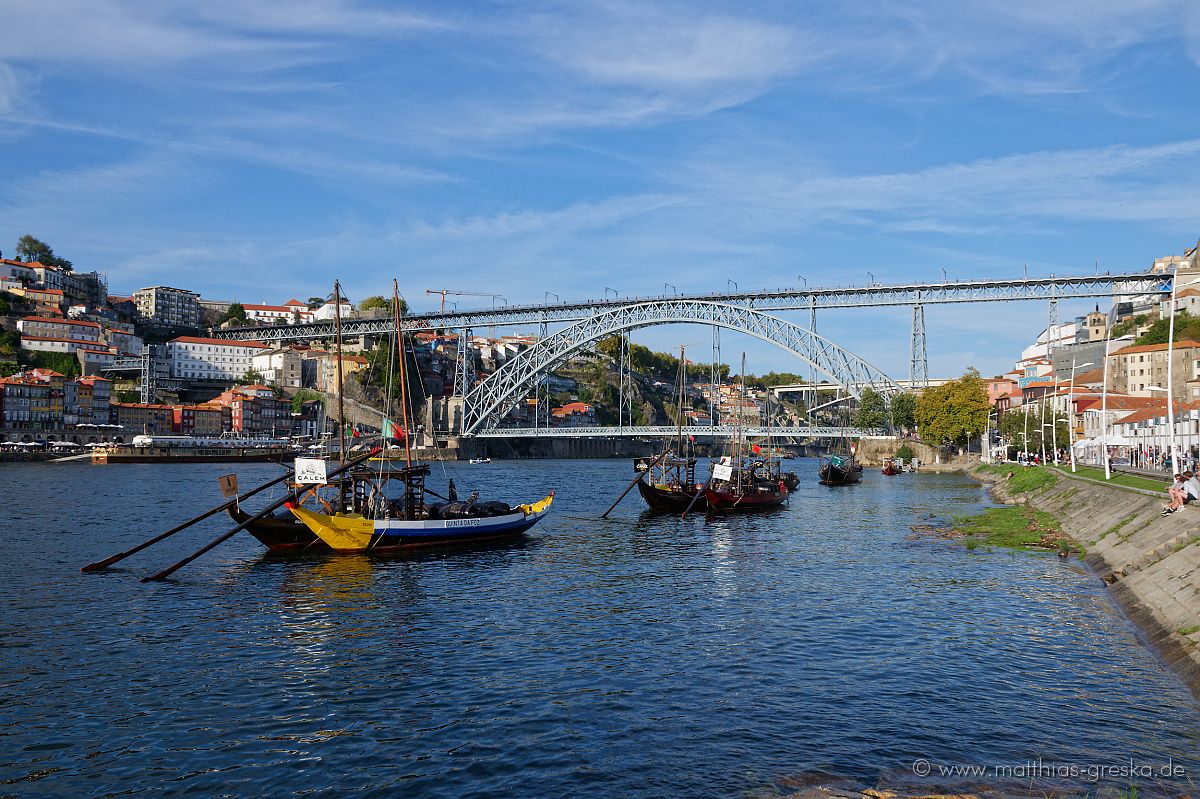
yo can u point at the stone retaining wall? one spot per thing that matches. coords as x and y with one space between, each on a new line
1149 562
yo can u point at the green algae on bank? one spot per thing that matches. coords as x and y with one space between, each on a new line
1014 527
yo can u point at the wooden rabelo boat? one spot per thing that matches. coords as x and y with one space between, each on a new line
670 483
383 524
670 486
747 486
373 516
839 469
744 482
889 467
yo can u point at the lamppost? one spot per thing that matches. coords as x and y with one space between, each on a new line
546 297
671 286
607 289
1071 412
1170 369
729 280
802 277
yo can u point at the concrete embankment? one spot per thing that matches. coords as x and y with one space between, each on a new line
1149 562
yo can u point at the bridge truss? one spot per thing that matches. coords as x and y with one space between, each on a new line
664 431
875 295
494 397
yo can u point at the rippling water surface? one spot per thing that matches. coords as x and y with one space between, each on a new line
636 657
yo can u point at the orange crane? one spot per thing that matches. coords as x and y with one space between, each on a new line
454 293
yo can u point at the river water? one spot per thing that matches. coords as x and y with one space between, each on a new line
642 656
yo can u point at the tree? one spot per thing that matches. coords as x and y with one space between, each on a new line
252 377
904 407
1022 434
378 303
872 410
315 302
1187 328
30 249
235 311
953 412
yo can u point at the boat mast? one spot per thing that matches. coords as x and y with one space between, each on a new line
337 326
403 373
679 385
741 446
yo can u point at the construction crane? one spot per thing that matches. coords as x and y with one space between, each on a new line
454 293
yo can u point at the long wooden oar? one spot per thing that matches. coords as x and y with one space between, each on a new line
291 497
629 487
104 564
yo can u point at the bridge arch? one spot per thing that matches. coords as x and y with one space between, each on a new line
505 387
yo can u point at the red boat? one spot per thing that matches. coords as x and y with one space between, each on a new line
889 467
754 497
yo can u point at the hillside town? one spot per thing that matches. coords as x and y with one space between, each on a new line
81 364
1101 381
63 332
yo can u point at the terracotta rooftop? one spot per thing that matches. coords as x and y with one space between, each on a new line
1185 344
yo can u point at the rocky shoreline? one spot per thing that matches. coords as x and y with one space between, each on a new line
1150 563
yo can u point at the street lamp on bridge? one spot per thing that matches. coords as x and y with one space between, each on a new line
546 297
614 291
671 286
729 280
802 277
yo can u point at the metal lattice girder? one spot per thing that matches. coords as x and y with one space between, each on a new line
508 385
918 369
1062 288
659 431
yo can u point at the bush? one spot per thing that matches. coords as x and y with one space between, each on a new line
905 453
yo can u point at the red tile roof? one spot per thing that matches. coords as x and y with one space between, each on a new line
1185 344
59 321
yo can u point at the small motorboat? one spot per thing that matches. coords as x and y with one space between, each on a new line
481 460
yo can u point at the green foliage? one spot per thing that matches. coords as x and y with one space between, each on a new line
872 410
61 362
378 303
302 396
1129 325
252 377
31 249
1118 478
904 409
235 311
1190 629
127 395
1187 328
1014 429
905 453
10 342
5 303
9 368
315 302
953 412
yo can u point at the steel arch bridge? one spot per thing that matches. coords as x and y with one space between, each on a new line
484 405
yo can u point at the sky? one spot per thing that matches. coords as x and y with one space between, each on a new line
257 149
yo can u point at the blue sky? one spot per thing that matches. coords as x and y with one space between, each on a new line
256 150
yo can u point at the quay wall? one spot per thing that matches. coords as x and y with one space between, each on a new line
1150 563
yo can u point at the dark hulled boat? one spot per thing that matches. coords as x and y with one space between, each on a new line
840 469
670 493
281 532
750 487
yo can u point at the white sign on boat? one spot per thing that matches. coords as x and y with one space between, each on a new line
310 471
722 472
